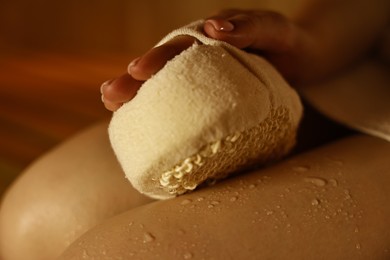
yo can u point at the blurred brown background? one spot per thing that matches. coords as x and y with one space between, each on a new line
55 54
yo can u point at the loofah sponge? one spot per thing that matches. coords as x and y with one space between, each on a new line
212 110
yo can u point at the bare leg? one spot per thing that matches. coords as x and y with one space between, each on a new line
82 176
62 195
329 203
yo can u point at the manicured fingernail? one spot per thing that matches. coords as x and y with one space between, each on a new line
221 25
106 83
133 63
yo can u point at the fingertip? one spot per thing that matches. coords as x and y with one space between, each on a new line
219 25
122 89
235 36
105 85
138 73
218 29
132 64
144 67
112 106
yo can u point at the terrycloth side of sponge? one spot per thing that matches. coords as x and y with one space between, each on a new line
203 116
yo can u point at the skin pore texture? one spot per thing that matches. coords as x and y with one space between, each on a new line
328 203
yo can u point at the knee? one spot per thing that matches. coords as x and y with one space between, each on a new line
41 215
61 196
35 219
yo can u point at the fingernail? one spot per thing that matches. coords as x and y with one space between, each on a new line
221 25
133 63
106 83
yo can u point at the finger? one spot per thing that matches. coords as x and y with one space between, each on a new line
263 30
111 105
155 59
120 90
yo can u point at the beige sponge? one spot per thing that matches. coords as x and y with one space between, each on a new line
211 111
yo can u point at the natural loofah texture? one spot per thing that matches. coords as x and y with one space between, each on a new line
263 143
209 112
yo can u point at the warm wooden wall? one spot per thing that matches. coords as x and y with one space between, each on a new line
106 26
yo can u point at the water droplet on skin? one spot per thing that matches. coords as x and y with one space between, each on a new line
232 199
200 199
214 202
320 182
188 255
358 246
347 194
301 168
315 202
269 212
130 224
333 182
186 201
252 186
356 230
85 254
148 237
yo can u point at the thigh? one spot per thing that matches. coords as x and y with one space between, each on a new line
328 203
62 195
